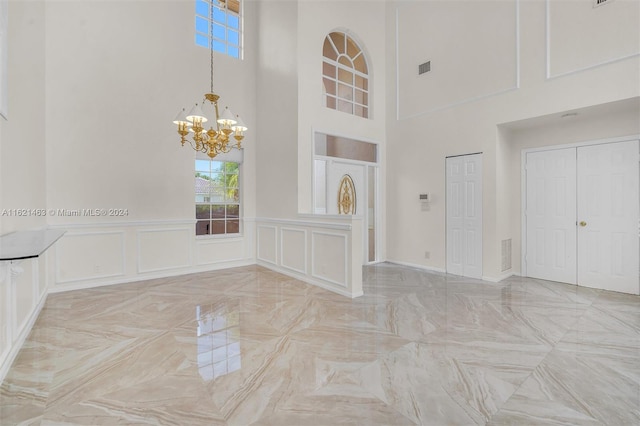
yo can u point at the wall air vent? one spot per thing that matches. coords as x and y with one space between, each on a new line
426 67
597 3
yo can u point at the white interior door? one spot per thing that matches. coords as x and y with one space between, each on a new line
582 216
551 215
608 213
464 215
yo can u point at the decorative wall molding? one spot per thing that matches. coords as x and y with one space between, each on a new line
140 254
135 256
124 224
71 235
348 284
516 86
200 243
312 223
312 281
149 276
549 75
283 230
274 229
320 274
16 334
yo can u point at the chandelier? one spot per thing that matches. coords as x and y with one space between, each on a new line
215 140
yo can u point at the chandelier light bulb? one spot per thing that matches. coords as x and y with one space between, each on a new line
239 126
196 114
227 118
181 117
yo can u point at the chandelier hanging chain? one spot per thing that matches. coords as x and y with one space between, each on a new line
215 140
211 42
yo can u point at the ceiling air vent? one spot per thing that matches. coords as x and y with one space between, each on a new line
597 3
426 67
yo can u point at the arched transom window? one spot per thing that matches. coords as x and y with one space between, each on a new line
345 75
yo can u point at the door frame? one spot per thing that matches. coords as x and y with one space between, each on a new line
523 184
446 215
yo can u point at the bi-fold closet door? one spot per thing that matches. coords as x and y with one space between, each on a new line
582 215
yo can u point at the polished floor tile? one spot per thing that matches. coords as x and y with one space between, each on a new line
250 346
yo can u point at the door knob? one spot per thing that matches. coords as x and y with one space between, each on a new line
583 223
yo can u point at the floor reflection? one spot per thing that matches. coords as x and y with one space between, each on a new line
218 343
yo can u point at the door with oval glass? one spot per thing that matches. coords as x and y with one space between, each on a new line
346 193
345 188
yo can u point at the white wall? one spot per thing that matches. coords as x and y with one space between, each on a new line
419 144
22 173
277 104
116 75
111 95
22 151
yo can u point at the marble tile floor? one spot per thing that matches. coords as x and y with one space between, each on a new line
250 346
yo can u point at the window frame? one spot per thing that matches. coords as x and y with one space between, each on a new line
334 94
239 203
202 36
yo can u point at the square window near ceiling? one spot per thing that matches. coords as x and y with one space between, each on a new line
233 22
202 25
233 37
218 26
218 32
219 46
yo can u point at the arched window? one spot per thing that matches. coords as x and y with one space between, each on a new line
345 76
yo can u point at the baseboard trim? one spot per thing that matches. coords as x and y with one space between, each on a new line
83 285
499 278
309 280
414 265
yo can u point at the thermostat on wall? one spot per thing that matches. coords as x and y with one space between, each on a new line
425 197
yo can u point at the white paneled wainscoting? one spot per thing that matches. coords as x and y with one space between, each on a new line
321 250
23 289
114 253
93 255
